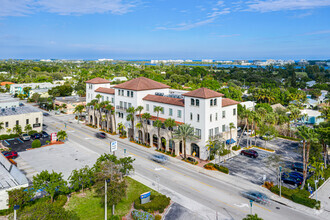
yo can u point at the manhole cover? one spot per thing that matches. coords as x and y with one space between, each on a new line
277 207
76 159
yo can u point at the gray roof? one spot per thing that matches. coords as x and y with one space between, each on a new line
18 110
70 99
10 176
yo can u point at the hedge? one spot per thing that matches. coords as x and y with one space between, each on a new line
297 196
235 148
8 136
36 143
157 203
220 168
289 138
32 132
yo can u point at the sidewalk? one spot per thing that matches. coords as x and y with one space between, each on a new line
238 183
323 195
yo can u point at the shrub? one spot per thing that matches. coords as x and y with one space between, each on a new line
236 147
8 136
157 203
158 217
36 143
312 203
252 217
19 197
209 166
212 157
221 168
286 192
5 212
224 152
32 132
140 215
268 185
60 200
114 217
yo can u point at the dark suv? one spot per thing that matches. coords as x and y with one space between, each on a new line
250 153
101 135
291 179
35 136
297 167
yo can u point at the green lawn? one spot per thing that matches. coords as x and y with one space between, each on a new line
89 207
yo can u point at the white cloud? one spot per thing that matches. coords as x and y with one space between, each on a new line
280 5
220 3
65 7
185 26
217 13
15 7
318 32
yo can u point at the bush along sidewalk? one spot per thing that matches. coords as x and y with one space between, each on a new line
300 196
212 166
166 152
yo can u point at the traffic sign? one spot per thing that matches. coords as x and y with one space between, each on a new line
113 146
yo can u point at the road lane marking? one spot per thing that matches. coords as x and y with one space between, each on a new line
262 207
242 205
232 206
195 189
159 168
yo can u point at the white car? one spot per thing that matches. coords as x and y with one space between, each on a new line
26 137
249 132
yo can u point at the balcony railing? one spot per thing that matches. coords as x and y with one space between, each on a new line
118 107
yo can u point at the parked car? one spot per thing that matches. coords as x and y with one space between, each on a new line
250 153
44 134
239 128
292 180
256 196
293 174
159 158
45 114
249 132
25 137
35 136
10 155
101 135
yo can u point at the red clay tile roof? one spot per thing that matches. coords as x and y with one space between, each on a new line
227 102
97 80
154 118
140 84
204 93
6 83
164 99
105 90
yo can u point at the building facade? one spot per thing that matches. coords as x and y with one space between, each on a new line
211 115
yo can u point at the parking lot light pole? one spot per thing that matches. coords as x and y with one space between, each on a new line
280 182
316 181
16 207
106 181
251 202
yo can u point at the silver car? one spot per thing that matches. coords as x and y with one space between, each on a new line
256 196
159 158
25 137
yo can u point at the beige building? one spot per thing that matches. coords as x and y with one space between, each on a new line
22 116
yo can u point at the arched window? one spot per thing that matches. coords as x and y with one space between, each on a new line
197 102
192 101
215 102
211 102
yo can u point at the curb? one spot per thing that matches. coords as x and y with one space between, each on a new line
325 182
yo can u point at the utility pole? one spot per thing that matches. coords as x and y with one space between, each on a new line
280 181
316 181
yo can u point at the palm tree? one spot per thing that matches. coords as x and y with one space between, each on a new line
62 135
98 97
158 124
109 110
324 131
131 117
185 132
28 128
257 120
170 124
64 106
146 117
121 128
79 109
17 129
158 109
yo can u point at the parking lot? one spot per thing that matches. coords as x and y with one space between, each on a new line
254 169
17 144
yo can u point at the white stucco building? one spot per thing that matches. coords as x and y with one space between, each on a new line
206 110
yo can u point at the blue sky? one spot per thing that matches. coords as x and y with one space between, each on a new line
165 29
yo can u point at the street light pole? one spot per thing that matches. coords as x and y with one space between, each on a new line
280 182
316 181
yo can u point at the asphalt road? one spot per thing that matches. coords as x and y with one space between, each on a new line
204 195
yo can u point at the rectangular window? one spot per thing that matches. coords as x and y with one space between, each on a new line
127 93
154 108
7 124
234 111
223 128
122 92
197 102
170 112
197 117
121 104
163 110
191 116
102 98
192 101
27 121
107 98
215 102
223 114
216 130
118 91
37 120
216 116
129 105
210 117
125 105
211 102
179 113
17 122
198 133
132 94
211 133
147 107
112 100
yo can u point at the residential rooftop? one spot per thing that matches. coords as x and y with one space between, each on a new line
141 84
164 99
204 93
70 99
105 90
